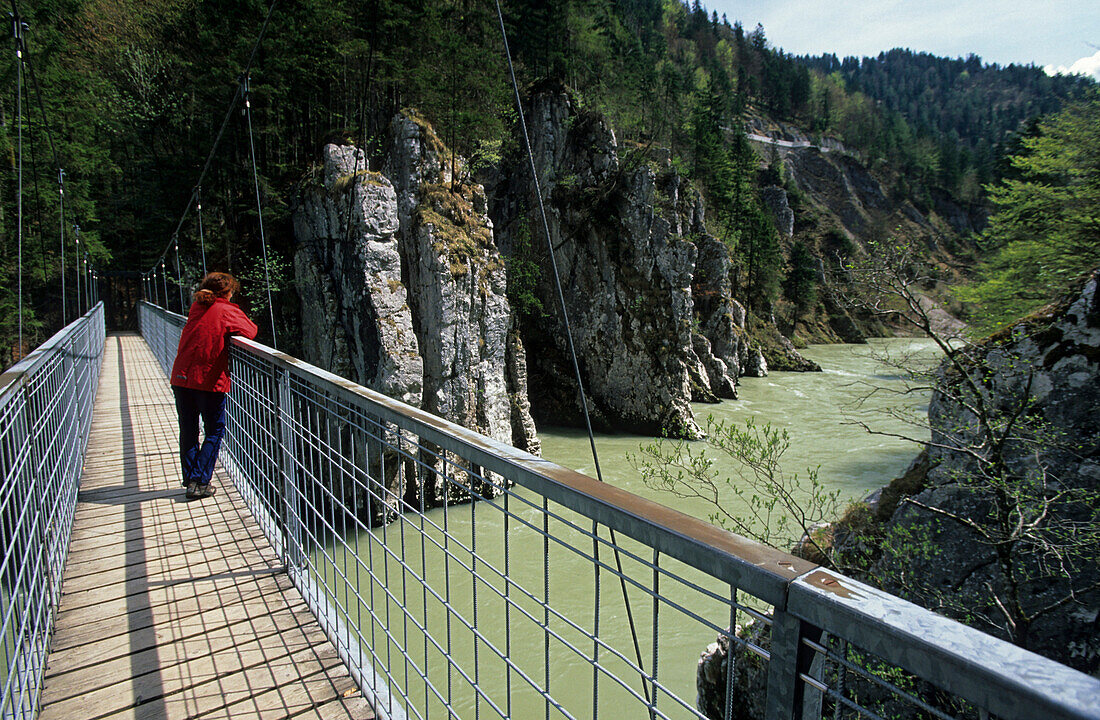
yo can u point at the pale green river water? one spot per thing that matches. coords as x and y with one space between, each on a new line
815 408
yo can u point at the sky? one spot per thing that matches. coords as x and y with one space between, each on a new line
1053 34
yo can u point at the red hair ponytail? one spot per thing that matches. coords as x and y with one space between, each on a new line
216 285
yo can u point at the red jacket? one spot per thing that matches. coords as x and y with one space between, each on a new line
202 360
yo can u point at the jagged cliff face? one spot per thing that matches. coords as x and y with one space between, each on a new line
403 290
629 274
1043 375
456 282
356 319
404 282
838 207
838 182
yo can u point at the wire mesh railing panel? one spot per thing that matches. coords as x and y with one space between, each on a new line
867 654
462 608
45 415
460 577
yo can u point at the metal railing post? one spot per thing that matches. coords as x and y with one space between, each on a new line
288 505
789 698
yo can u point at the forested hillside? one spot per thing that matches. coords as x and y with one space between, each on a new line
972 112
128 98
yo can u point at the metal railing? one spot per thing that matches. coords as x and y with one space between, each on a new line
513 605
45 414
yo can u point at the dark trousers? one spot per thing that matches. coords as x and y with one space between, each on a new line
197 461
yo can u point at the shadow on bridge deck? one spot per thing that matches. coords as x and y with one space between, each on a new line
175 608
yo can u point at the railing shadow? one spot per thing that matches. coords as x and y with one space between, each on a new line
139 612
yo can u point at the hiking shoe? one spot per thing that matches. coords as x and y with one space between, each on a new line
192 489
205 491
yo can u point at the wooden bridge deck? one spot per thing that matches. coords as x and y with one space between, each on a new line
175 608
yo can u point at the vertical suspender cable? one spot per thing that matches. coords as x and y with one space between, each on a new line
164 281
221 130
76 270
572 350
20 28
550 248
179 275
17 32
198 210
61 206
259 208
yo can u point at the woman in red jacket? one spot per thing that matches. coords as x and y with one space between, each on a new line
200 377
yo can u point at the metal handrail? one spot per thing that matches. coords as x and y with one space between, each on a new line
303 441
45 415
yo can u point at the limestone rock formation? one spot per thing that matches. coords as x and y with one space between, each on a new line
775 199
721 317
403 290
750 689
456 280
618 229
356 319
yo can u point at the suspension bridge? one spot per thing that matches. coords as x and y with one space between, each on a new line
314 586
280 598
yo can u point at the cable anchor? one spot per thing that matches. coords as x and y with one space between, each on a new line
18 31
246 90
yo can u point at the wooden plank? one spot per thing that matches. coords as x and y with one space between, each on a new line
100 662
126 532
174 608
206 682
226 558
119 554
109 624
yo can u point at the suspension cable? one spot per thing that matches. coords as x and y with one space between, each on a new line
76 268
572 349
61 206
179 275
17 34
38 224
23 54
224 125
198 213
87 283
260 209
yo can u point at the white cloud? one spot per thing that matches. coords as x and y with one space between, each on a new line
1083 66
1056 30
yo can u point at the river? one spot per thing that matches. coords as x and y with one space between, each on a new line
815 408
818 411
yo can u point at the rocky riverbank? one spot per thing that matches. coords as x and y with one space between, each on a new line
996 523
